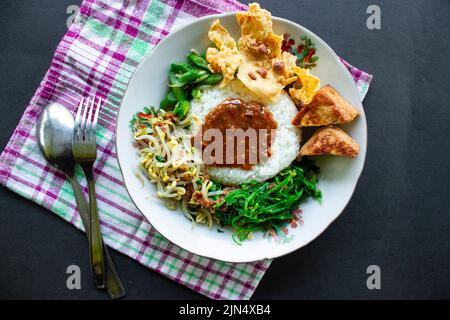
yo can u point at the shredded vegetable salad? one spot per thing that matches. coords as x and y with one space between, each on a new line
168 160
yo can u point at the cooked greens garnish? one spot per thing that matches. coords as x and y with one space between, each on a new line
140 118
261 205
184 82
307 57
150 110
305 51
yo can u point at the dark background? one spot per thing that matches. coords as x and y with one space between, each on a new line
398 218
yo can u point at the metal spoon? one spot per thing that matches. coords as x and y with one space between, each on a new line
55 132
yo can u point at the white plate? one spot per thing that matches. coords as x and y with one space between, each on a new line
337 180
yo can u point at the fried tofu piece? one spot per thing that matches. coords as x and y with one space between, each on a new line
330 140
327 107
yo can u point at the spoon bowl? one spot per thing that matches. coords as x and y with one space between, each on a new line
54 131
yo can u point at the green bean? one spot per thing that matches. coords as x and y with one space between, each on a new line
198 61
196 93
181 109
180 67
178 91
169 101
213 79
191 76
203 78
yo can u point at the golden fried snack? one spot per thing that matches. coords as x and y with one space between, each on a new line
264 70
327 107
226 58
305 87
330 140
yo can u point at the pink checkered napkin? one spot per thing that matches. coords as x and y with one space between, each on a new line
97 56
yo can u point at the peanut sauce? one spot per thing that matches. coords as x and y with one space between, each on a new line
234 114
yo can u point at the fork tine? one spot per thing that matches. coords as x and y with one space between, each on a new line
83 120
97 111
89 120
78 119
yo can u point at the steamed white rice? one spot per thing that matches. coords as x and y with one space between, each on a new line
285 144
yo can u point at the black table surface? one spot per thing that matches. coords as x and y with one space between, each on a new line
398 218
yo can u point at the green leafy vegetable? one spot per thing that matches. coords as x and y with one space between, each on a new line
260 205
159 158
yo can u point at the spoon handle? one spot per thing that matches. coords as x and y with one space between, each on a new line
114 285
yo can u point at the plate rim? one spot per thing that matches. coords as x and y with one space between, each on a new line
265 256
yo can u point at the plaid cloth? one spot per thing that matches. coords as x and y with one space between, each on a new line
97 56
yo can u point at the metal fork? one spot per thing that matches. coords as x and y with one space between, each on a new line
84 148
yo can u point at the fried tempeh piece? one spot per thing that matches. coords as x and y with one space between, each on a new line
327 107
330 140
